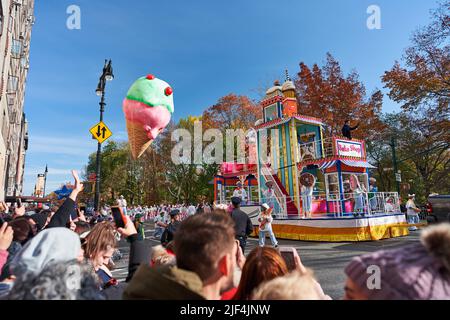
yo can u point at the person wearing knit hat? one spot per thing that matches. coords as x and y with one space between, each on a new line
416 272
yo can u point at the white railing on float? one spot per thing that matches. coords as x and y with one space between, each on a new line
349 204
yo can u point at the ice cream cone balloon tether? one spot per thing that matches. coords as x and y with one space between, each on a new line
148 108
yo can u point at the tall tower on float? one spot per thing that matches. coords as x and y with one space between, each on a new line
279 106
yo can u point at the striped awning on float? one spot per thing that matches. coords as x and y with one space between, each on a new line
327 164
357 163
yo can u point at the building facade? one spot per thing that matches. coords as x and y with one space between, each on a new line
16 21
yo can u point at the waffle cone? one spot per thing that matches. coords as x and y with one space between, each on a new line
138 139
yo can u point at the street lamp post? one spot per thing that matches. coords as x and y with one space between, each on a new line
45 179
107 75
394 162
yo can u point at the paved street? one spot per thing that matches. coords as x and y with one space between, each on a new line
328 260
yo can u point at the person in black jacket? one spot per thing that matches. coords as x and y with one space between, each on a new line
347 130
170 230
243 226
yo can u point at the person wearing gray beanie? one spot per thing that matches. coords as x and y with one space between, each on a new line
415 272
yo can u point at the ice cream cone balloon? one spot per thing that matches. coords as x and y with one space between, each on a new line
148 108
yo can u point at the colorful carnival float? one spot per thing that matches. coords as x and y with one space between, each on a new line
318 187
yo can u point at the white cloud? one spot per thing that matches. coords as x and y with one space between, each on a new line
62 146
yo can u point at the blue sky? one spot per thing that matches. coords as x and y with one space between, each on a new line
204 49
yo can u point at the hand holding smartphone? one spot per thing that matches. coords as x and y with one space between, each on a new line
119 218
292 259
288 254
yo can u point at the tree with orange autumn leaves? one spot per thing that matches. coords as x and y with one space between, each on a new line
326 93
424 83
232 112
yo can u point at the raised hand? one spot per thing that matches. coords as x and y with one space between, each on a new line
78 184
78 187
19 212
129 228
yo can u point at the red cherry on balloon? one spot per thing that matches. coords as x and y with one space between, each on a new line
168 91
150 77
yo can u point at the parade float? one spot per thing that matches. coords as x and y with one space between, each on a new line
318 186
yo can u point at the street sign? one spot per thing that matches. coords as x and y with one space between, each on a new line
100 132
398 177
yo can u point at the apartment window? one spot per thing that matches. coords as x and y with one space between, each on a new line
13 117
10 98
13 82
16 48
11 23
23 62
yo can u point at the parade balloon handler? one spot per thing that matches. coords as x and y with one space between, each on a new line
160 225
265 226
148 108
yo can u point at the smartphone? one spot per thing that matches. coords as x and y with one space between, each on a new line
18 202
287 253
119 217
74 214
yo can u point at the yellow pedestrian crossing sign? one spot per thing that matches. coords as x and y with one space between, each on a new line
100 132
